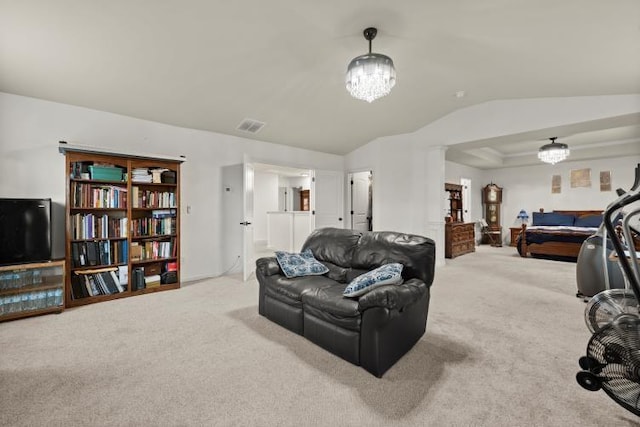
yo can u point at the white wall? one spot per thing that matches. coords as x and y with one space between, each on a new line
30 166
265 199
302 181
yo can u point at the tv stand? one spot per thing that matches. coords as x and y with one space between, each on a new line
31 289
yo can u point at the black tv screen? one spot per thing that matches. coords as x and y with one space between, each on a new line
25 230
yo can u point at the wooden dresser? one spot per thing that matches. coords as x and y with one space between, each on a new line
459 239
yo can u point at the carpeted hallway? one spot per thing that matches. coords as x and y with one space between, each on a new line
504 335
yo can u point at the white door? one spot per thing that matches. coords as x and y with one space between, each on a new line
466 199
248 263
327 199
360 201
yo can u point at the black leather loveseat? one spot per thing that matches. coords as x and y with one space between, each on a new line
374 330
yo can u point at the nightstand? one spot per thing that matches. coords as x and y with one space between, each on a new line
514 235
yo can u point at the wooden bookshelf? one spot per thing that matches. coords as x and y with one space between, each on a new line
122 226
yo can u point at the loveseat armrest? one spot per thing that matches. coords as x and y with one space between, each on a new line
268 266
393 297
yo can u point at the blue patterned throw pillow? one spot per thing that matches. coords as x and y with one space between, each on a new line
302 264
388 274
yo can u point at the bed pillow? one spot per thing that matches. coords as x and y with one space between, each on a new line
302 264
388 274
588 221
552 218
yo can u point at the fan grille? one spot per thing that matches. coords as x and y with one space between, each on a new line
615 349
607 305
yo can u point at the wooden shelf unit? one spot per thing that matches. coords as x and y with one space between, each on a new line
455 202
100 264
31 289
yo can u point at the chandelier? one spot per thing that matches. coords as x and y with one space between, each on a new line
372 75
554 152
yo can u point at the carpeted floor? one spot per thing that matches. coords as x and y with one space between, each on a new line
503 339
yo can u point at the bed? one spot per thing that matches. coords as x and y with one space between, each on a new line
559 234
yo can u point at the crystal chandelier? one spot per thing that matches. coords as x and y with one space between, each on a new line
372 75
554 152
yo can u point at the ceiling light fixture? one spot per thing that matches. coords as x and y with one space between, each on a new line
554 152
372 75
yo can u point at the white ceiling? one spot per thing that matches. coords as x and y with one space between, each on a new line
210 64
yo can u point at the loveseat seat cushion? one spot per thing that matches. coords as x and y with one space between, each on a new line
334 245
290 291
415 253
329 305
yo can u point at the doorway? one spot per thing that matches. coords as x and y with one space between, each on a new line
280 199
361 194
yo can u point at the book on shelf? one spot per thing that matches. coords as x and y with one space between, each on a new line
91 195
91 226
91 283
152 281
123 274
138 278
99 252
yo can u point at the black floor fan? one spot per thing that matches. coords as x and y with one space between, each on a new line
612 362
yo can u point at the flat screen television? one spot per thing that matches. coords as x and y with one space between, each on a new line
25 230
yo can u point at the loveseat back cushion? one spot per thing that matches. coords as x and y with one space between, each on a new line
334 245
415 253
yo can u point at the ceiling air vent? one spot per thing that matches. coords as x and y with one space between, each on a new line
250 125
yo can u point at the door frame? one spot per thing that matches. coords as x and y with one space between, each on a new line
247 251
347 194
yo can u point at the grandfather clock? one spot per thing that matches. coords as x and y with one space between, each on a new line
492 199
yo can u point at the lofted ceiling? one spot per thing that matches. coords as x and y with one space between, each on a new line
211 64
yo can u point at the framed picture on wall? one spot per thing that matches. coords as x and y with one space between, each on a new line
580 178
605 180
556 180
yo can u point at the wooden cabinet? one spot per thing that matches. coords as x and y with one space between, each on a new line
123 226
459 239
31 289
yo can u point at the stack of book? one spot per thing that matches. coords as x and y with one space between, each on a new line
141 175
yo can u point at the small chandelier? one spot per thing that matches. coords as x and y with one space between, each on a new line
372 75
554 152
